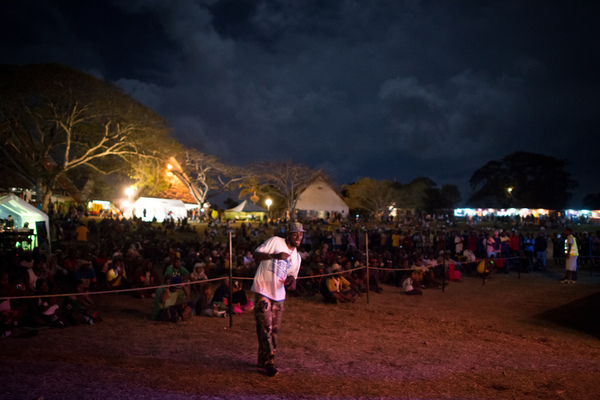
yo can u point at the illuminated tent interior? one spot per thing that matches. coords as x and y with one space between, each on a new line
160 209
22 212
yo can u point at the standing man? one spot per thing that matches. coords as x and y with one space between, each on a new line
278 265
571 254
540 246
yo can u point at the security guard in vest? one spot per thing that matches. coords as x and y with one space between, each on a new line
571 253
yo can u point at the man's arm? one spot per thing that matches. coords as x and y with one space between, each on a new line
164 295
259 257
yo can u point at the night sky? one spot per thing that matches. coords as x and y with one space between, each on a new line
385 89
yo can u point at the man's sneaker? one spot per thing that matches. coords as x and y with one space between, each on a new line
272 371
572 281
565 281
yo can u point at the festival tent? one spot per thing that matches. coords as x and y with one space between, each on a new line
246 210
320 200
160 209
22 212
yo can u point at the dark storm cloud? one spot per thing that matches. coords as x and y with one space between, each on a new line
386 89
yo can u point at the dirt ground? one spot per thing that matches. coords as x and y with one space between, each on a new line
512 338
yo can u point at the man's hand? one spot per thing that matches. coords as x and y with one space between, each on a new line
290 283
280 256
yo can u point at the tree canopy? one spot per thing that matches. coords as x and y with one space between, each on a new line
204 175
376 197
522 179
56 120
380 197
283 180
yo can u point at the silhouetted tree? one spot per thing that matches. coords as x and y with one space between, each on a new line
592 201
522 180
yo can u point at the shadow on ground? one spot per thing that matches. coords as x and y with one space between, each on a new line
581 315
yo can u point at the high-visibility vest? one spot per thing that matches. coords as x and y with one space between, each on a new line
574 249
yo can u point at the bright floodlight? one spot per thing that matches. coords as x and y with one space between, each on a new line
129 191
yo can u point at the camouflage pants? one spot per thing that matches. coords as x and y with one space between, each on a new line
268 314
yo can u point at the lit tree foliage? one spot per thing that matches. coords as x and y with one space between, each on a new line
283 180
377 197
58 120
205 176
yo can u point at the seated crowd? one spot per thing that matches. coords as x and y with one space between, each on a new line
115 254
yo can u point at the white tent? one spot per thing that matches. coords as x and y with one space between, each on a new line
321 201
160 209
246 210
22 212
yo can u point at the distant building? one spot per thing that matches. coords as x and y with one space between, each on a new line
321 200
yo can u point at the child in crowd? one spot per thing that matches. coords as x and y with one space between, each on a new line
198 274
203 305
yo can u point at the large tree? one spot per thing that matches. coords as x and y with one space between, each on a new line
204 175
283 180
445 198
522 180
377 197
592 201
380 197
56 120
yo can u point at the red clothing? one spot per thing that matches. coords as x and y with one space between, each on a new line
513 244
472 244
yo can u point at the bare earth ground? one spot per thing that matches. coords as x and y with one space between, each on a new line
527 338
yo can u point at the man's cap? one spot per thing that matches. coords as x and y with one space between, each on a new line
335 268
295 227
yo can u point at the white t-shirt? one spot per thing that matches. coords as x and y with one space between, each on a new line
407 285
271 274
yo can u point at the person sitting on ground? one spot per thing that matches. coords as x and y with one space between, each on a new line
352 277
429 279
145 277
240 300
338 288
469 261
203 304
172 303
78 309
43 311
86 274
198 274
116 276
9 318
221 295
412 284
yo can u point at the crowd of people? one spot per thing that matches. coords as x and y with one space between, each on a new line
90 255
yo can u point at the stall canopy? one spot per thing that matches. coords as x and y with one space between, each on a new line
246 210
160 209
22 212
